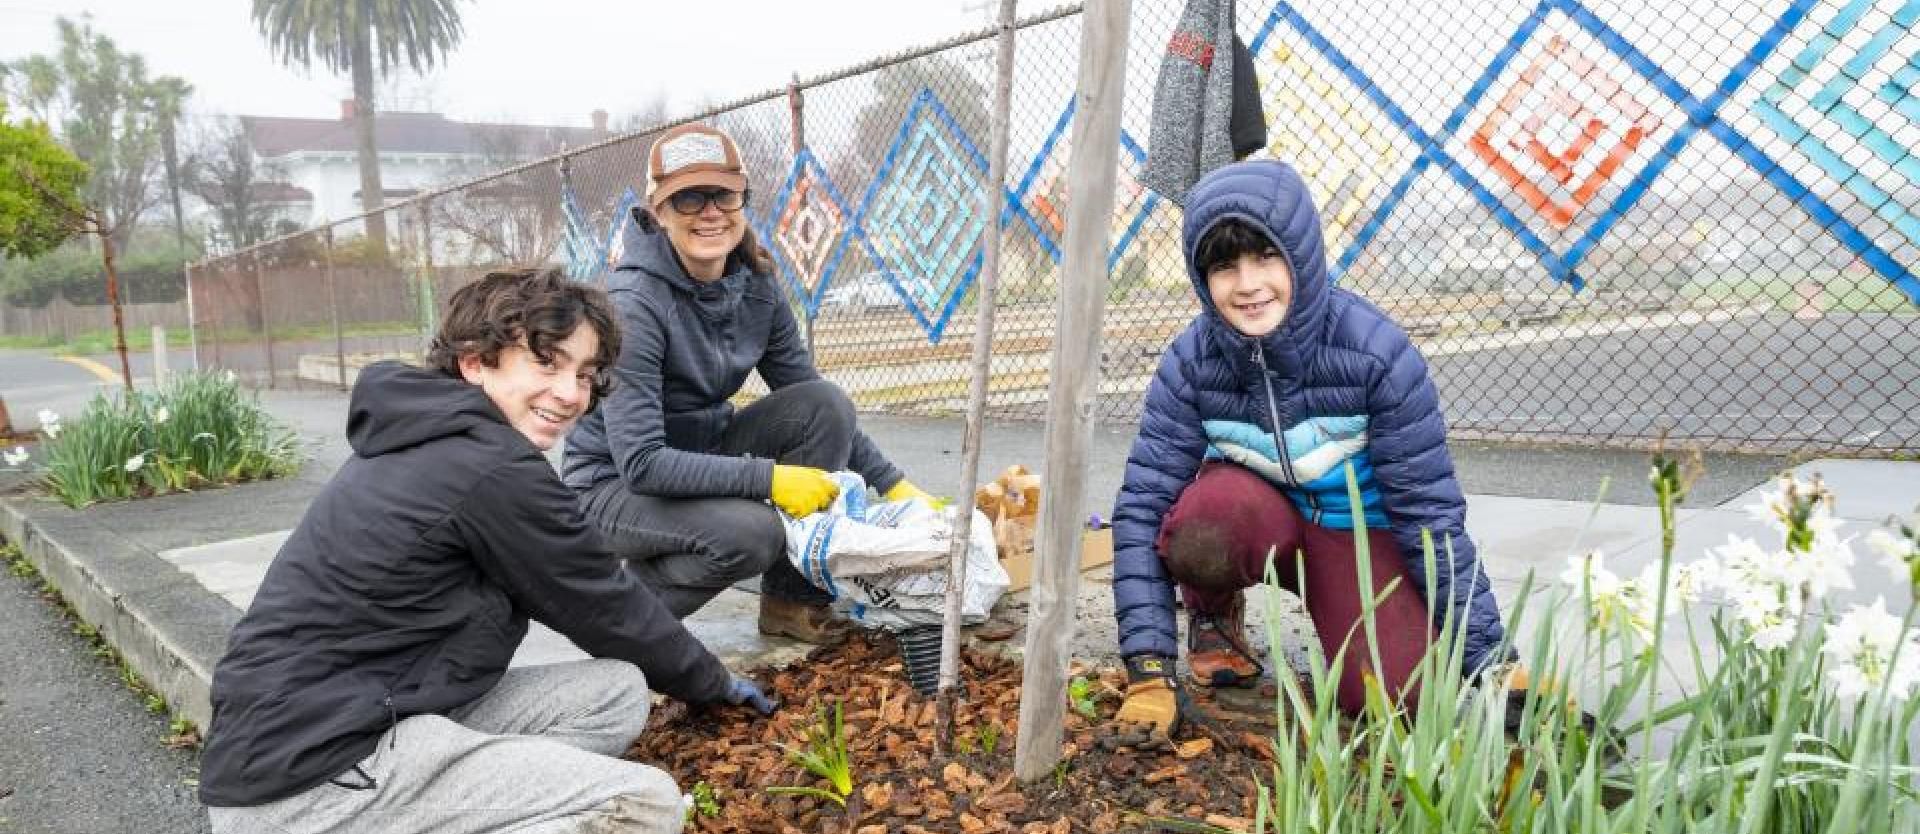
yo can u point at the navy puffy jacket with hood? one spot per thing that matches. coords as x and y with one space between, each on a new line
1334 355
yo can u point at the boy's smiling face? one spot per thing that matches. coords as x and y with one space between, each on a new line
541 397
1252 291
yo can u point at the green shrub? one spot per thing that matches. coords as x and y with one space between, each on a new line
154 271
199 430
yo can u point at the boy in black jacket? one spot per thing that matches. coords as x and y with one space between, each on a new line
367 688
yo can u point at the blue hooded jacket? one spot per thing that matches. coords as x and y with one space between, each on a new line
1334 358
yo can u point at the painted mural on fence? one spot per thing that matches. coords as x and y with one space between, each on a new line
1561 135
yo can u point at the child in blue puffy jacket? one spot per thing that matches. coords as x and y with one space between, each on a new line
1251 423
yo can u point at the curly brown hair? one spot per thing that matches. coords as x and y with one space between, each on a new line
535 308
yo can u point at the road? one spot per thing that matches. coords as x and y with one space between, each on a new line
32 380
1770 383
81 754
1842 379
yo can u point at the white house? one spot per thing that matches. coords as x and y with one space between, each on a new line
312 172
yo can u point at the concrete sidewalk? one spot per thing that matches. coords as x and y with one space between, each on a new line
165 579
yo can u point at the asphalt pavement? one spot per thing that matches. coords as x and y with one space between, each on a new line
80 754
33 380
1771 381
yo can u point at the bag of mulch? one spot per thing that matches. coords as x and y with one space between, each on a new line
885 562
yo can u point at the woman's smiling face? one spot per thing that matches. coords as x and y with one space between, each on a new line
704 239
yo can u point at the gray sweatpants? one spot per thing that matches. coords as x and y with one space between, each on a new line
534 756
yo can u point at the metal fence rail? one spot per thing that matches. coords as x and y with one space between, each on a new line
1603 222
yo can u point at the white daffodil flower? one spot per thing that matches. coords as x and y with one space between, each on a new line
1683 587
135 463
1742 564
160 415
1609 598
15 457
1590 570
1859 649
1772 507
1691 581
1896 554
50 423
1773 637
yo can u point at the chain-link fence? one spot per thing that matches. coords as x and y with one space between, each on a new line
1603 222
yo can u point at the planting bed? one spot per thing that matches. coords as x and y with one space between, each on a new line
729 758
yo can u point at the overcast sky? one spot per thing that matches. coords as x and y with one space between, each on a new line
536 61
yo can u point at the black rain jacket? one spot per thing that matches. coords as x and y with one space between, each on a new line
407 587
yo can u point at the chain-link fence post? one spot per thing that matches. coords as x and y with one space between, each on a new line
797 131
266 318
333 307
218 319
429 309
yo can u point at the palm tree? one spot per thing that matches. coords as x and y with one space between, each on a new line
361 37
169 96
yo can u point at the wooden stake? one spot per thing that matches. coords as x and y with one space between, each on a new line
992 196
1075 383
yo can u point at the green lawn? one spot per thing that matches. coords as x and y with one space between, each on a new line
1839 292
96 342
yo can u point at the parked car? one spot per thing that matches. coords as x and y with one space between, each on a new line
873 291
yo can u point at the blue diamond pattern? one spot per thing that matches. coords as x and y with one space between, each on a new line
1827 103
806 167
920 217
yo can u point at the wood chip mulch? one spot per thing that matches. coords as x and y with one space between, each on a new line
1108 783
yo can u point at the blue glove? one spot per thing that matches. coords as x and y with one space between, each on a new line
743 691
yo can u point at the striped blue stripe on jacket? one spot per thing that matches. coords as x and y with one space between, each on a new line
1315 475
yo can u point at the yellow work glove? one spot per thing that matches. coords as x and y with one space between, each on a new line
905 490
1152 704
801 491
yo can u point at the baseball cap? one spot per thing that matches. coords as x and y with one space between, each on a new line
690 156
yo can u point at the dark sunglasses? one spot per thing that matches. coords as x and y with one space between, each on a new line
692 201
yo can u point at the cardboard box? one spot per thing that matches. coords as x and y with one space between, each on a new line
1096 550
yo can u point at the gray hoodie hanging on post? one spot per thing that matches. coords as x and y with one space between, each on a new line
1206 113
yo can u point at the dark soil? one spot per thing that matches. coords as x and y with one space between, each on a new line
1107 784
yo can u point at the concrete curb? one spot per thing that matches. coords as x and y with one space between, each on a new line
167 627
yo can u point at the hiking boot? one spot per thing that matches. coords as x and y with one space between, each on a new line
1217 651
806 622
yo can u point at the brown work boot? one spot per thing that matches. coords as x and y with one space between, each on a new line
806 622
1217 651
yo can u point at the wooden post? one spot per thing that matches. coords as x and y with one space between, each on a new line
333 306
1075 383
193 322
159 338
992 197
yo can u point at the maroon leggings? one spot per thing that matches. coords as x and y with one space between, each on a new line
1231 513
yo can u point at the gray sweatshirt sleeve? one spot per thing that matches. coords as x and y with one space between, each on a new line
635 418
787 362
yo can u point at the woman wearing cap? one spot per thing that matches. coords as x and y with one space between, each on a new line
676 479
